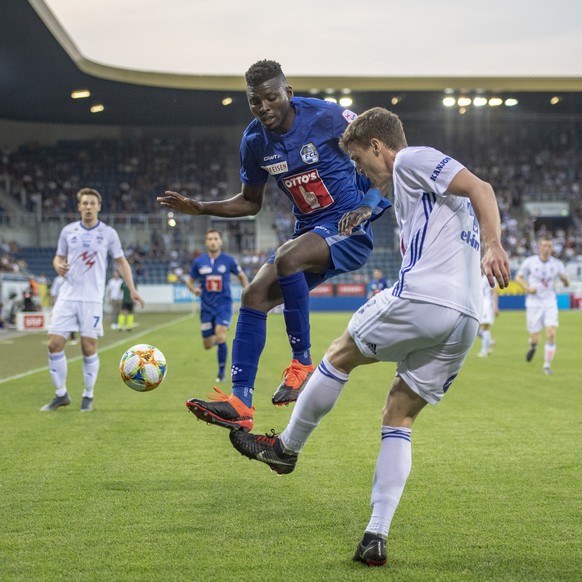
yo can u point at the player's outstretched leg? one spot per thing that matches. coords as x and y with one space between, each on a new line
223 410
265 448
371 550
236 411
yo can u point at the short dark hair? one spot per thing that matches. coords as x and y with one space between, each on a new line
263 71
211 230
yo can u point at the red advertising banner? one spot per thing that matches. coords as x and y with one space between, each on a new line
33 321
350 289
324 290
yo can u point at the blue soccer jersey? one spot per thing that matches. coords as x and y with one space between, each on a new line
214 278
307 162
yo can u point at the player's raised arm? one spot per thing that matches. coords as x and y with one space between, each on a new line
247 203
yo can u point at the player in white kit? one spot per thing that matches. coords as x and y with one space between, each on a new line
490 312
538 275
426 322
81 259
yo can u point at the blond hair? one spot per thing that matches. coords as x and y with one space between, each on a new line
88 192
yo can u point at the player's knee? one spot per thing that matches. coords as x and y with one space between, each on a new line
56 344
249 296
343 354
288 260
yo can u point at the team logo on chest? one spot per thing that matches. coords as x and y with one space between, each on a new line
309 153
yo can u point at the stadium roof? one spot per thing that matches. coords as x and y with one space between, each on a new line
40 66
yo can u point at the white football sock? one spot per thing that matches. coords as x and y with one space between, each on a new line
486 341
90 371
392 470
316 400
549 353
58 371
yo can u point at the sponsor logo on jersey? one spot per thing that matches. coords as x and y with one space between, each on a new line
273 157
309 153
278 168
308 191
205 270
470 238
348 115
438 169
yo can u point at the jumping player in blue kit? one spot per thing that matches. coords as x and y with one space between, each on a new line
295 140
210 280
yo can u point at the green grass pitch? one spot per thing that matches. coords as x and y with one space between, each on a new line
140 490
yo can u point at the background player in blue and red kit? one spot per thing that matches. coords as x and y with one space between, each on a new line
377 284
296 141
210 280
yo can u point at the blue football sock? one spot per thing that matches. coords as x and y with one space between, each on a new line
247 347
222 357
296 313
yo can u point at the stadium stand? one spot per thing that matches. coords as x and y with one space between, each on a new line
538 161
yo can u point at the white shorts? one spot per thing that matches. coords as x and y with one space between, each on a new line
539 316
488 316
86 317
429 342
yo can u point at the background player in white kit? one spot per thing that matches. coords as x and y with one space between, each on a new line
81 258
490 312
114 296
426 322
538 275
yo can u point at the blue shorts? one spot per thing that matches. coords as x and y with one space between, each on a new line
210 318
348 253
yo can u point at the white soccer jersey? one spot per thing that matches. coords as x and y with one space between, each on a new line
439 233
541 275
114 288
86 250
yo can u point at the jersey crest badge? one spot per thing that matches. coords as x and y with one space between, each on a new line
348 115
309 154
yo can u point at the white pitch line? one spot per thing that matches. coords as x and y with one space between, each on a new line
110 346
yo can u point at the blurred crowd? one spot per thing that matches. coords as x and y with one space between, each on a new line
525 162
129 174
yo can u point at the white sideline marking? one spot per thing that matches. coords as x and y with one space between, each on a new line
113 345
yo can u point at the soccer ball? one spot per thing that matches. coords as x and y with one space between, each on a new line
143 367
